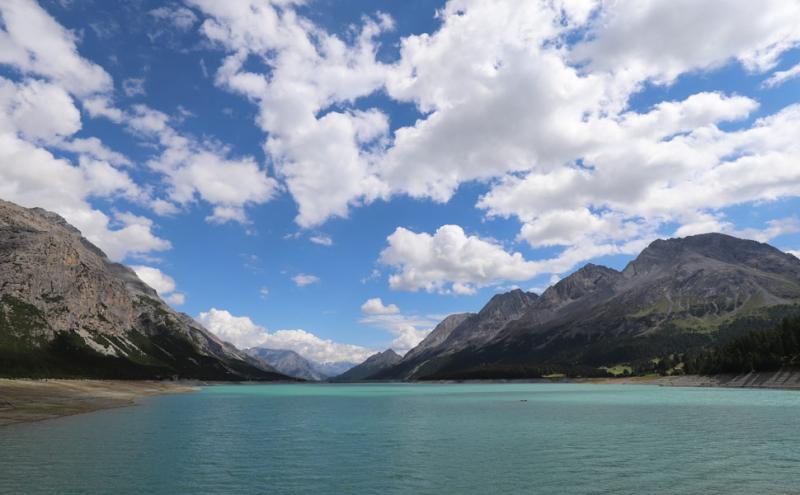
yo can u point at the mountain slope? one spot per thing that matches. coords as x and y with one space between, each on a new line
678 294
66 310
458 332
288 362
370 367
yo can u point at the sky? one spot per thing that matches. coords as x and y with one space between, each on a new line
335 177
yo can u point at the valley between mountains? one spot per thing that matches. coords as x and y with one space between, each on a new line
67 311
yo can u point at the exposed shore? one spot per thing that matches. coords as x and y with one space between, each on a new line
23 401
776 380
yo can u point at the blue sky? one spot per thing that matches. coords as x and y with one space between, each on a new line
430 154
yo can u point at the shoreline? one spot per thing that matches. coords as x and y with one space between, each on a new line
29 400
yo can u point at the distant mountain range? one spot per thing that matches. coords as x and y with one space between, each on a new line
67 311
293 364
677 295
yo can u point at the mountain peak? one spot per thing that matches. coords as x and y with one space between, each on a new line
585 280
372 365
66 310
508 304
664 253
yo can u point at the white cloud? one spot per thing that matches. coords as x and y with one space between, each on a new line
322 154
195 170
93 148
263 292
302 279
35 43
322 240
450 260
41 111
408 330
676 36
161 282
501 92
242 332
780 77
375 306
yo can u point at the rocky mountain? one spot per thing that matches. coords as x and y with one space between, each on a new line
461 331
67 311
677 295
370 367
288 362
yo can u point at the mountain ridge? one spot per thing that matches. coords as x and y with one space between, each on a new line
678 293
66 310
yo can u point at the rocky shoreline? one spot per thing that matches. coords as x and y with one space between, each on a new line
23 401
776 380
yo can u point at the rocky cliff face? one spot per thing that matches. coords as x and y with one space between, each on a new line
288 362
676 295
66 310
370 367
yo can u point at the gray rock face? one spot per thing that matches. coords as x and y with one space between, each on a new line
438 335
370 367
66 310
490 320
674 287
288 362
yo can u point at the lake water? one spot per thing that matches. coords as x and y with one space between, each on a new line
425 438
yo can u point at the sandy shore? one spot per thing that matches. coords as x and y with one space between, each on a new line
35 400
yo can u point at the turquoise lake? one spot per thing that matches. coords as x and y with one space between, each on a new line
421 438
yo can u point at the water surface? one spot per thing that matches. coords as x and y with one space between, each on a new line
422 438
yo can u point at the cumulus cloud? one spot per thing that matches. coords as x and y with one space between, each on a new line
33 42
324 155
375 306
242 332
302 279
500 85
450 260
195 170
673 37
